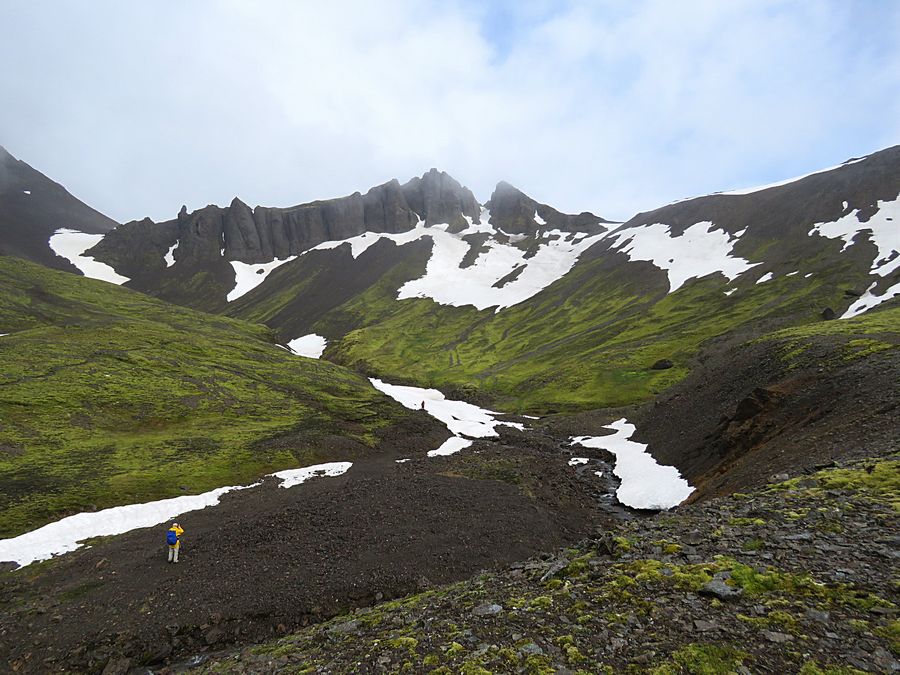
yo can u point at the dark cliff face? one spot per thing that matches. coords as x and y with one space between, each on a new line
437 198
514 212
32 207
210 237
264 233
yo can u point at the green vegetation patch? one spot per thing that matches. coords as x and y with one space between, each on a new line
110 397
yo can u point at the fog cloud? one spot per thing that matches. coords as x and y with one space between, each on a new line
611 107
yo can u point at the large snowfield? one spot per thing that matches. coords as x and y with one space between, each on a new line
447 283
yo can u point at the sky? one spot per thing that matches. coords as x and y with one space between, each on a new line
610 107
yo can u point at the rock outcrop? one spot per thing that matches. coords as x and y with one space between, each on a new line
514 212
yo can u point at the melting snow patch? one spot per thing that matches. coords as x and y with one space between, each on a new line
71 245
3 334
790 274
645 484
538 219
248 277
451 446
461 418
868 300
26 192
599 474
403 461
64 535
730 291
312 346
293 477
170 256
882 230
702 249
447 283
576 461
764 278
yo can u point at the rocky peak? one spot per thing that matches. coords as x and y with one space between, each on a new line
437 197
515 212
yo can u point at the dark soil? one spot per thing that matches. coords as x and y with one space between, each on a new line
795 578
268 560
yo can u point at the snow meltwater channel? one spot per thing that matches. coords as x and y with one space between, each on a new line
66 534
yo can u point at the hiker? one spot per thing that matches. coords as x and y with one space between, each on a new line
173 539
423 405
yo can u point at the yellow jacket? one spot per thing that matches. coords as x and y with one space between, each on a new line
178 532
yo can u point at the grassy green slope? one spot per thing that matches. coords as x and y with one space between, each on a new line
586 341
110 397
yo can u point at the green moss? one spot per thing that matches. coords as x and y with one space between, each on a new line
541 602
404 642
813 668
891 632
702 659
747 522
454 649
109 397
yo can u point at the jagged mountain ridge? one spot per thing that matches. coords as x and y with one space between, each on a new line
187 260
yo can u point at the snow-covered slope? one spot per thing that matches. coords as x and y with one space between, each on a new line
501 275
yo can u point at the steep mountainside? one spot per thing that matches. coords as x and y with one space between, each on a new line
33 207
109 397
650 291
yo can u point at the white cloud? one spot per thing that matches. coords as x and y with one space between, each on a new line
138 108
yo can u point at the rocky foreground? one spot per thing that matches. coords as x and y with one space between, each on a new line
798 577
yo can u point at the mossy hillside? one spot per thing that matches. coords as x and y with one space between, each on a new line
634 603
110 397
586 341
870 333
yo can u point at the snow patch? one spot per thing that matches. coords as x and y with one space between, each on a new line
71 245
461 418
538 219
577 461
645 484
170 255
790 274
451 446
66 534
311 346
883 231
447 283
868 300
292 477
247 277
403 461
730 291
26 192
701 250
768 276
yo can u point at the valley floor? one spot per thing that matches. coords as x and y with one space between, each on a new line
268 560
798 577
